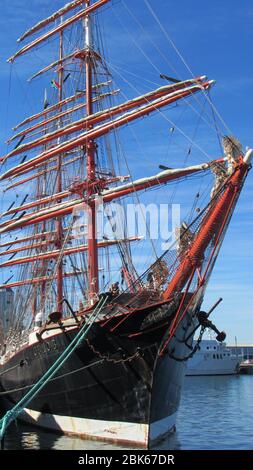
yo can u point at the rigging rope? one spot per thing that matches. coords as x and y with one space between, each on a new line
163 115
59 259
184 62
198 102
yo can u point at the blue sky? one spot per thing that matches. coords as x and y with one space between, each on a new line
215 39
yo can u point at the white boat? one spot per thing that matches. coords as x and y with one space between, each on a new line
213 358
246 367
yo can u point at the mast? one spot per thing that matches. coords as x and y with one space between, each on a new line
59 185
41 190
93 280
43 227
52 210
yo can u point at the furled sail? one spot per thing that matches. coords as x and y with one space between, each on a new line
58 116
59 28
68 251
108 195
97 131
59 104
68 7
170 91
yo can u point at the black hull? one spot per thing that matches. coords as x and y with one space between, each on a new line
115 387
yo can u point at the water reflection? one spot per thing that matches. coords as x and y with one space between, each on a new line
215 413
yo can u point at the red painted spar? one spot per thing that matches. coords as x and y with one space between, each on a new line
103 129
67 251
59 28
92 119
107 195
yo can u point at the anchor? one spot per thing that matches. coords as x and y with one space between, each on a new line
203 321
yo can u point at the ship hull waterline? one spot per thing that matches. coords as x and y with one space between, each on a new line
115 388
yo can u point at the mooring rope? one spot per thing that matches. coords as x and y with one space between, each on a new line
12 414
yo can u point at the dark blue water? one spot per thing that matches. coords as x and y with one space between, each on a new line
215 413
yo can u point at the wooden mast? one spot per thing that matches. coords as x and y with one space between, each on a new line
59 230
41 187
93 280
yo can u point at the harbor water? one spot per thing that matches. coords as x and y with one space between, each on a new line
215 413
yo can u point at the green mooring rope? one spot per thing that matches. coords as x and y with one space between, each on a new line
12 414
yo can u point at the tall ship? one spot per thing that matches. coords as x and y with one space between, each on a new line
73 264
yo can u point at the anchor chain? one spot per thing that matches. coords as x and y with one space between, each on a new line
107 358
194 349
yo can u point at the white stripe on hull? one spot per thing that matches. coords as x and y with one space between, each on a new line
133 434
160 429
121 433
